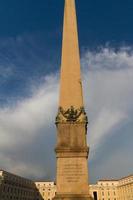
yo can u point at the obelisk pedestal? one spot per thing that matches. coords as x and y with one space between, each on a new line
72 154
71 121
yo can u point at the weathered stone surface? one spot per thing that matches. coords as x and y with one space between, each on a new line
72 197
71 135
70 84
72 175
71 121
72 168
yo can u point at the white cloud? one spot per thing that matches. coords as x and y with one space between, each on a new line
20 124
110 92
108 80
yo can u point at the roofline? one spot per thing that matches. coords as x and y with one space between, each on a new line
108 180
116 179
16 175
43 181
126 176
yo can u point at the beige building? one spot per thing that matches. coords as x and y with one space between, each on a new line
121 189
46 190
104 190
125 188
15 187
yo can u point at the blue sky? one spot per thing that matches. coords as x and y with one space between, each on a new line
30 54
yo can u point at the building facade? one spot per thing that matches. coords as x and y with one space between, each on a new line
104 190
45 190
13 187
125 188
121 189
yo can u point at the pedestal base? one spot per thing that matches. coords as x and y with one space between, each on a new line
72 197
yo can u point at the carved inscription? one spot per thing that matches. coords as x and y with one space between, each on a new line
72 173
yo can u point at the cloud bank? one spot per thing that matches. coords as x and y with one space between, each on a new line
27 130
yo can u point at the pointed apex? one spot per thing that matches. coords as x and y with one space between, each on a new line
71 86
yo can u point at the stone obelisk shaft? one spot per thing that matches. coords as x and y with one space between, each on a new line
71 121
70 85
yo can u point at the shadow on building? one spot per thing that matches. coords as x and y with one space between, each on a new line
38 195
13 187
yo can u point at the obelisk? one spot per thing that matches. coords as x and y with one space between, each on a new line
71 120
